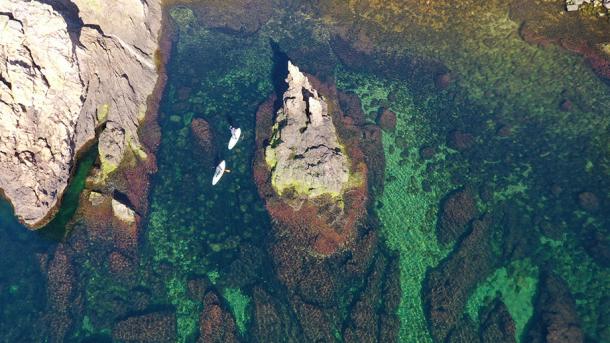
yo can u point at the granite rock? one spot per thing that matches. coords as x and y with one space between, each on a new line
304 152
67 69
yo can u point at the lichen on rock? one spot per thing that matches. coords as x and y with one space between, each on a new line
304 153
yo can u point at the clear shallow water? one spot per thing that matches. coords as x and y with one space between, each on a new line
221 234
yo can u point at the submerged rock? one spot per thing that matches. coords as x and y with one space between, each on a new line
588 201
387 120
304 153
216 324
447 287
442 81
555 318
457 210
151 327
65 71
460 140
498 325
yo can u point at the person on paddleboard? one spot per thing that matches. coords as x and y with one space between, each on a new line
219 172
235 134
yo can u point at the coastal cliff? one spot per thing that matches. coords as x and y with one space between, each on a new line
70 73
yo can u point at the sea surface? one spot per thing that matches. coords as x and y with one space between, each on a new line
518 130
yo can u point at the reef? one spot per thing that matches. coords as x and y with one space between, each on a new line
447 286
80 77
216 323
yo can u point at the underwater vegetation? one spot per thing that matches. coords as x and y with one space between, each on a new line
487 155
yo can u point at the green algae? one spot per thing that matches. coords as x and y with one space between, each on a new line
408 214
71 198
102 113
239 303
516 285
187 310
194 228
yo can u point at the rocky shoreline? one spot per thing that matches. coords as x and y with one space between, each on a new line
86 77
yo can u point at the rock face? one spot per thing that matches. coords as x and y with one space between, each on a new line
123 212
66 71
304 152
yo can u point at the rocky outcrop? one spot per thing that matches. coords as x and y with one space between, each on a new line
325 252
304 153
310 186
68 70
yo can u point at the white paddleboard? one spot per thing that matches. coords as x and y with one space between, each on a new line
235 134
220 169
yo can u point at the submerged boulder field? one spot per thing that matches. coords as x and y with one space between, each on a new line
67 71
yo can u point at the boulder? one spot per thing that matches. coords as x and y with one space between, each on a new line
457 210
123 212
387 120
460 140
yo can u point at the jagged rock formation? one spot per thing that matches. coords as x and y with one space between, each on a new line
304 152
65 71
313 186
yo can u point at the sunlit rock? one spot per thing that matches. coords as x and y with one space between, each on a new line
304 152
65 72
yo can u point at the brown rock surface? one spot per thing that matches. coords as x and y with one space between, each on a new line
555 318
457 210
152 327
216 324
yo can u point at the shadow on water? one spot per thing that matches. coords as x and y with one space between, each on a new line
279 72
